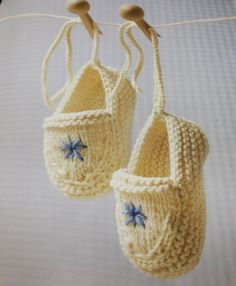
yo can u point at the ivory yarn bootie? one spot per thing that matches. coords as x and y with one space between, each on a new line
160 203
87 137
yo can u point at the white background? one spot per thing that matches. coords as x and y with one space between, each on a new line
48 239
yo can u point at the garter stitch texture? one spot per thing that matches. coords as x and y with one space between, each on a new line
164 180
96 109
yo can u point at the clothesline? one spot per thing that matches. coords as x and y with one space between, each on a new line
186 22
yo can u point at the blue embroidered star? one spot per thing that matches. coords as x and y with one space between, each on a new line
134 214
72 149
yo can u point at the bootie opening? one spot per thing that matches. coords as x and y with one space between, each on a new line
88 93
153 158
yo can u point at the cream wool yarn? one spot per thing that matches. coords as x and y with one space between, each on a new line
160 203
88 135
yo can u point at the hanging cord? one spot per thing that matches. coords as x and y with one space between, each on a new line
65 30
125 29
94 57
126 66
124 71
159 97
69 53
139 64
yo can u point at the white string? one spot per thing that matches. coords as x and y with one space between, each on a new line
197 21
35 15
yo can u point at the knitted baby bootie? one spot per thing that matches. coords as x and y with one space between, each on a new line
87 136
160 204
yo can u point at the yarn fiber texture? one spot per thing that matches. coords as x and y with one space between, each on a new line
97 109
164 182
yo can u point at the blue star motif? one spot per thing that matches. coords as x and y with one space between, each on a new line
73 149
134 214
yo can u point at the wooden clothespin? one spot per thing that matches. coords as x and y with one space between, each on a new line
81 8
132 12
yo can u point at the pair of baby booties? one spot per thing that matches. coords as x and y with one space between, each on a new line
160 203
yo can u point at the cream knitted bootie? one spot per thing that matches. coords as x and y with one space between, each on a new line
88 135
160 204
